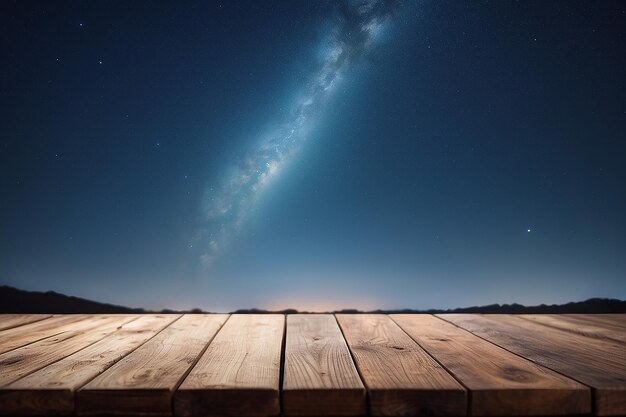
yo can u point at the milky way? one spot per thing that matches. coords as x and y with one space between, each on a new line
225 207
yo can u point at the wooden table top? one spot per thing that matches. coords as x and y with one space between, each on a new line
313 365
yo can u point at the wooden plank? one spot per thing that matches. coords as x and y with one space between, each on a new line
143 382
21 336
579 326
239 373
600 364
603 319
9 321
51 389
500 383
320 378
20 362
401 378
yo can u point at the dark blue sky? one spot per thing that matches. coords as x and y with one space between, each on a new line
314 155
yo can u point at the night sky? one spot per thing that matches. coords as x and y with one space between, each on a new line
315 155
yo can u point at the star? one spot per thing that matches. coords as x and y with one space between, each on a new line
527 230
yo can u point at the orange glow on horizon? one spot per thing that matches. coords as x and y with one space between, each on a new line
317 305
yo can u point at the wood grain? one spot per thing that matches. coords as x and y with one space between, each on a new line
401 378
143 382
600 364
50 359
239 373
21 336
582 327
20 362
500 383
9 321
51 389
320 378
618 320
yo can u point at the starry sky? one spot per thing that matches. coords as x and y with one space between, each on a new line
314 154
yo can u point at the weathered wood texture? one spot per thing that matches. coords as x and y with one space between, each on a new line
22 361
500 383
239 373
600 364
51 389
23 335
401 378
143 382
8 321
215 365
320 378
579 326
603 319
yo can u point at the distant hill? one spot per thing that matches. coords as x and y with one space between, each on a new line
590 306
13 300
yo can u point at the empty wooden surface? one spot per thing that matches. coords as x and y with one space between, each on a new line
401 378
602 319
579 326
22 361
500 383
23 335
8 321
216 365
51 389
142 383
320 378
239 373
600 364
